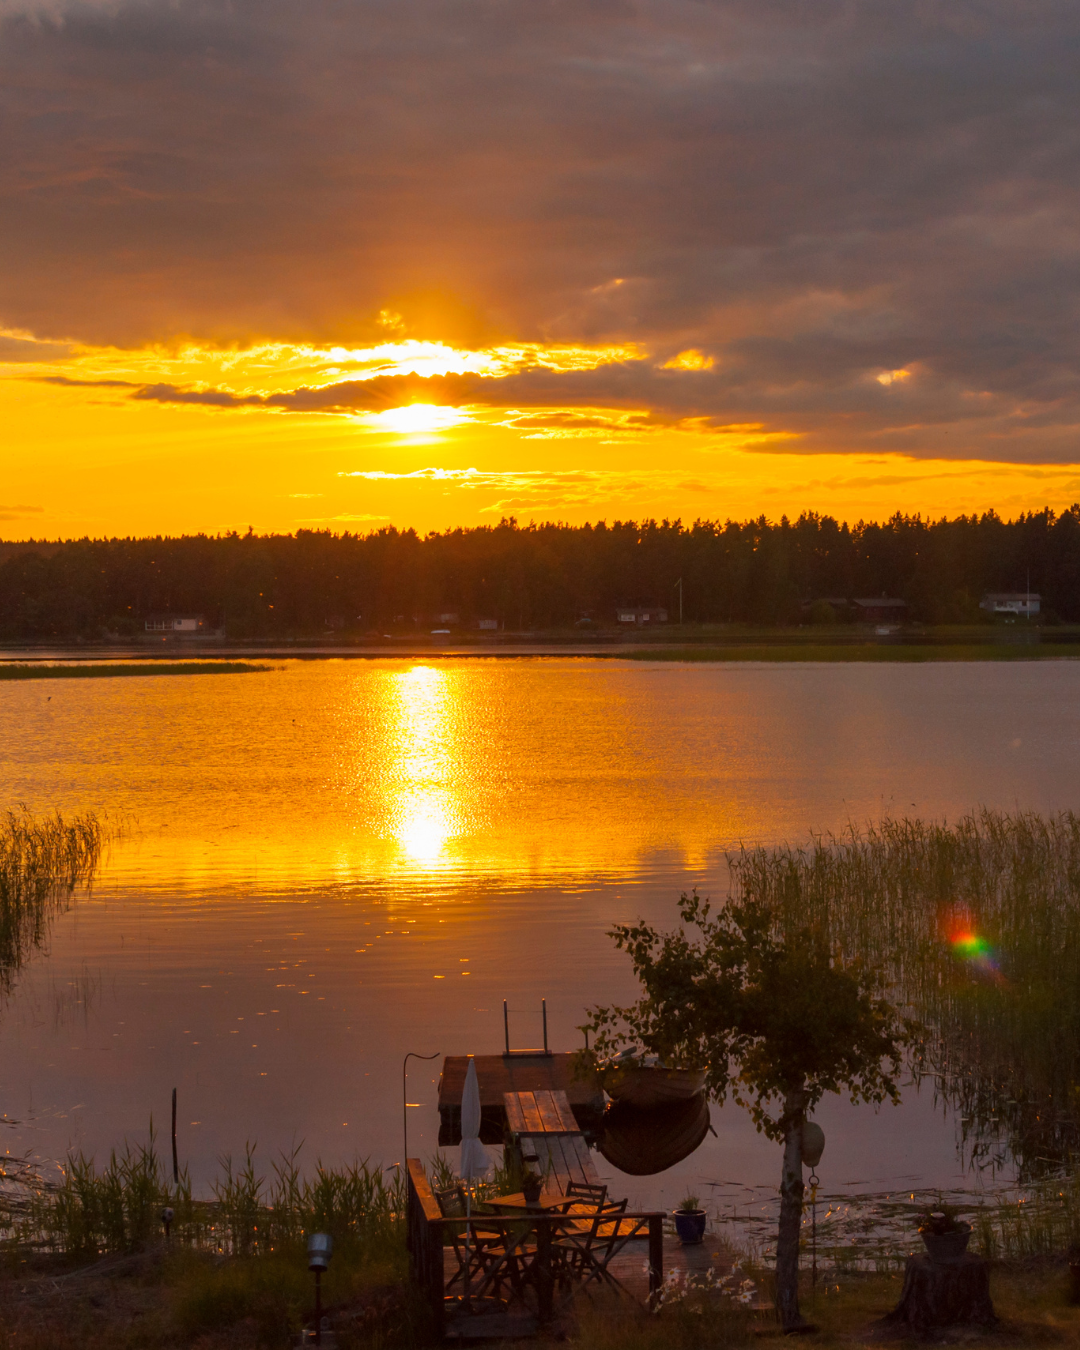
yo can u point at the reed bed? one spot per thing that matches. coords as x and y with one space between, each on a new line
977 924
43 861
95 1211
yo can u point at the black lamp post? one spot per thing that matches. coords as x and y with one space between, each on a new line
405 1105
320 1248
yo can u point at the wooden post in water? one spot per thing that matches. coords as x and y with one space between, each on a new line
175 1165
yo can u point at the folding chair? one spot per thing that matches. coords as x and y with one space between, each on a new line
451 1204
586 1248
583 1193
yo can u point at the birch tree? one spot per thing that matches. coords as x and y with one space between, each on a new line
775 1019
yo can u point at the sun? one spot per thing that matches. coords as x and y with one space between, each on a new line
418 417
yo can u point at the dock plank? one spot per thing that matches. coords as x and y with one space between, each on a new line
584 1160
550 1119
558 1158
515 1118
533 1121
561 1103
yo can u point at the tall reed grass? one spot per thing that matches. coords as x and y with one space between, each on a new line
117 1208
978 925
43 860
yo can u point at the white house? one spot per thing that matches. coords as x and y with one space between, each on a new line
175 623
626 614
1023 603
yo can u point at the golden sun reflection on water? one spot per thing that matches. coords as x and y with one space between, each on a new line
424 778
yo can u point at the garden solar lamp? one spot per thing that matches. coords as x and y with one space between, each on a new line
167 1216
320 1248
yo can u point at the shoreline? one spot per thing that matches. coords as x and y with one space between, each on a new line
27 664
24 671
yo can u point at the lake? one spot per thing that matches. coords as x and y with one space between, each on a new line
328 865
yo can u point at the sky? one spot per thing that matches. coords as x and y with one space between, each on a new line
342 264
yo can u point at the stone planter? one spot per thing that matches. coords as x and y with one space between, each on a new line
690 1226
946 1249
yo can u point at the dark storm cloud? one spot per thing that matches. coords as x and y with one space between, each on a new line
813 194
374 395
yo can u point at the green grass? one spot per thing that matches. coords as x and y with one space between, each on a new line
869 651
22 671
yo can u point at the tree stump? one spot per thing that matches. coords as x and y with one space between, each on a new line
939 1295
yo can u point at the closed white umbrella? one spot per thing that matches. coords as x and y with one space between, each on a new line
474 1158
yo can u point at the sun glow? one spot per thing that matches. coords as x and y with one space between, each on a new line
416 418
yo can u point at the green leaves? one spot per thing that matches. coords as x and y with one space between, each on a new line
763 1012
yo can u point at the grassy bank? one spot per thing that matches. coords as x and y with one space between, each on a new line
88 1265
22 671
869 651
84 1265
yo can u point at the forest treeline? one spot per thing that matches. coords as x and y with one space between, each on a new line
539 575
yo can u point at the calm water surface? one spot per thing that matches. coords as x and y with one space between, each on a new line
336 862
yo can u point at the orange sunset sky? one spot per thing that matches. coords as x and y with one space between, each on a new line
350 263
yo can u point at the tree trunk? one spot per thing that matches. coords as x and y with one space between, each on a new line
791 1197
944 1295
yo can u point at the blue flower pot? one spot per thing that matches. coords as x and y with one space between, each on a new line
690 1226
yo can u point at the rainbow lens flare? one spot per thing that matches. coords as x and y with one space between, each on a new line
974 950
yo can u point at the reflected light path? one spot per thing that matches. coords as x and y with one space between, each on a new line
424 778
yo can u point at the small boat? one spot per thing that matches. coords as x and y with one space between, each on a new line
643 1084
642 1141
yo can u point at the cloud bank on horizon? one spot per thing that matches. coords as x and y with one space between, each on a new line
850 225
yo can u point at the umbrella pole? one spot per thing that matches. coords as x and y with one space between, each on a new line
468 1239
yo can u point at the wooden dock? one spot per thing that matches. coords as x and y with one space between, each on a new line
517 1072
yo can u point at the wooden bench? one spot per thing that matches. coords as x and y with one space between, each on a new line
544 1130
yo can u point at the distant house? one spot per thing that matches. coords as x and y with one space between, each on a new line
1023 603
879 609
486 625
175 623
639 615
446 618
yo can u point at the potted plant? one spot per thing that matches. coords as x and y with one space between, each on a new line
944 1234
690 1221
531 1182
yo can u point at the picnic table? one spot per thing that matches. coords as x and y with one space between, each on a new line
519 1258
543 1128
549 1201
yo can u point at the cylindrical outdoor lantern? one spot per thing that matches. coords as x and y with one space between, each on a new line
320 1248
